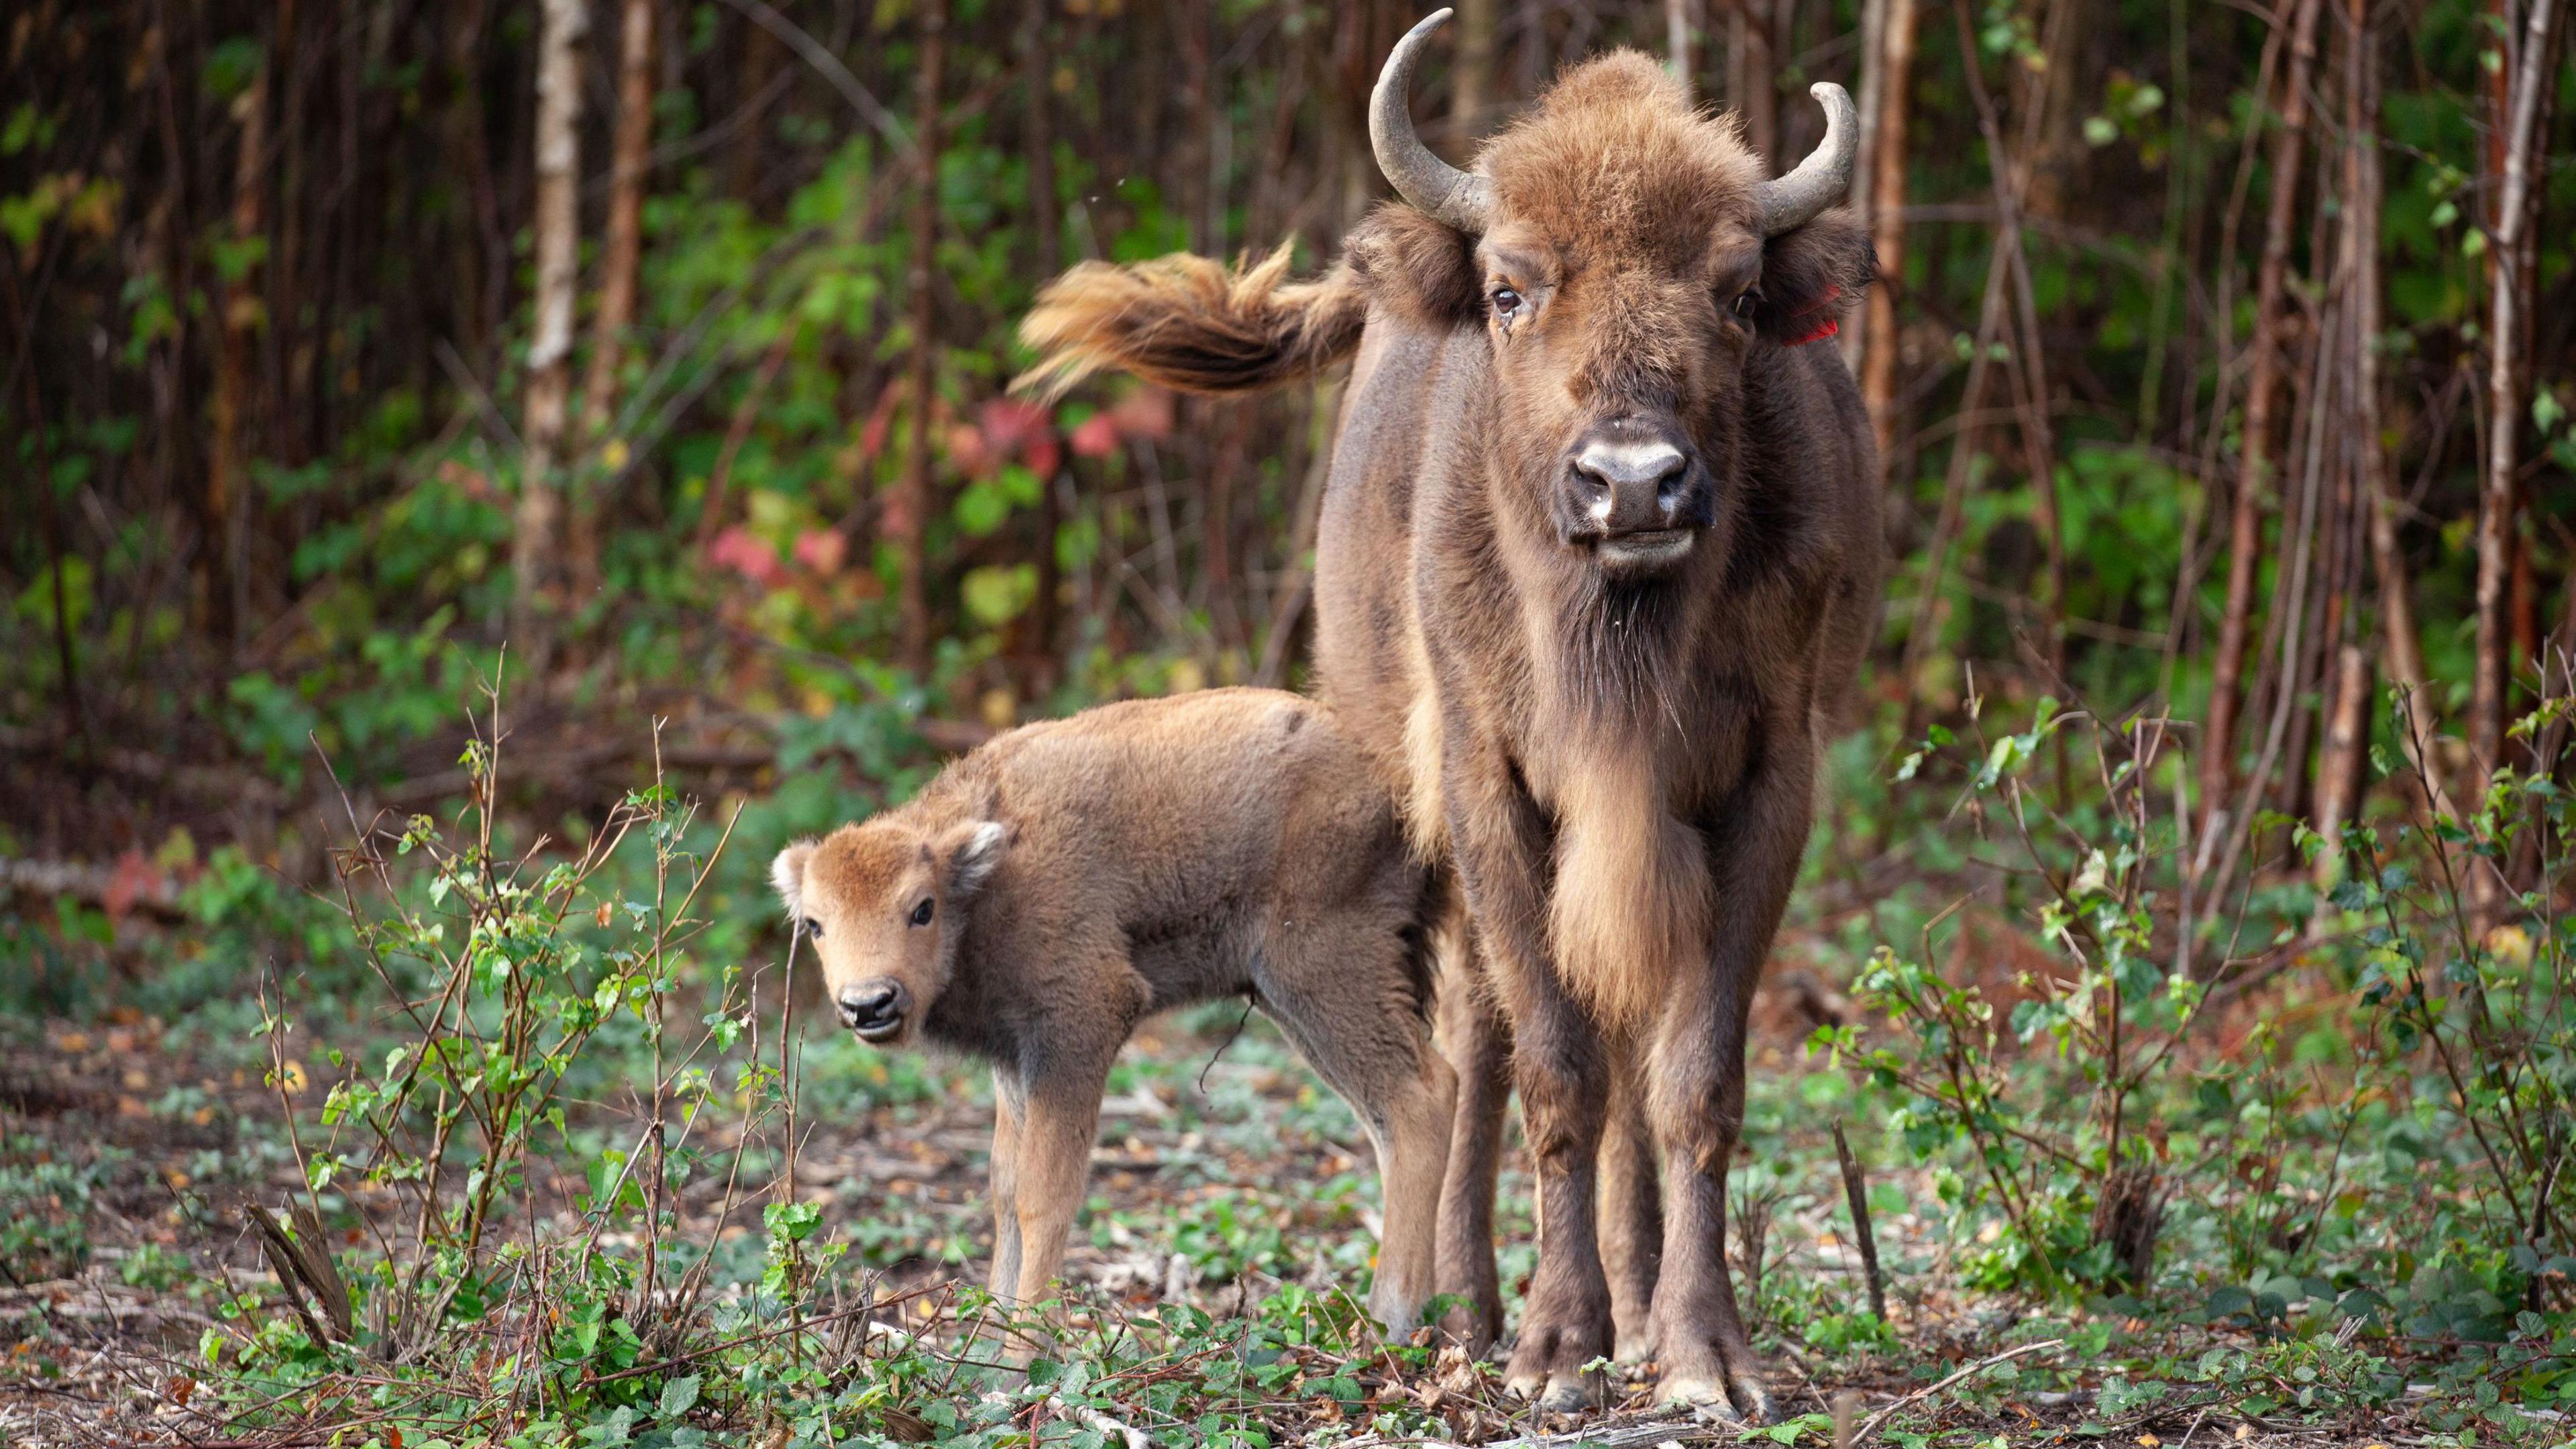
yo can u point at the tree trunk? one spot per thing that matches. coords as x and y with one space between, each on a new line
1854 340
908 520
1471 86
2363 205
536 557
1756 82
1039 145
1678 57
2254 457
1887 225
2339 767
2500 490
619 259
227 508
760 55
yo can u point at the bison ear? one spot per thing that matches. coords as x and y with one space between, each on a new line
972 851
787 873
1422 268
1810 274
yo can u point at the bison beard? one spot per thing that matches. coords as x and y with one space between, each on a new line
1609 726
1630 899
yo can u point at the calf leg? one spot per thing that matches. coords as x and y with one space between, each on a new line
1059 1118
1632 1220
1008 1107
1478 1044
1373 1048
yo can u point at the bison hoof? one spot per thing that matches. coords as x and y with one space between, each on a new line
1636 1346
1556 1393
1745 1402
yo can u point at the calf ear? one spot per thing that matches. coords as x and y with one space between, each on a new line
787 873
972 851
1810 274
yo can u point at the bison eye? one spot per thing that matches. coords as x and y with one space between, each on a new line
1507 303
1747 302
921 913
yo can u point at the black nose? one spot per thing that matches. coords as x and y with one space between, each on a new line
1628 480
873 1009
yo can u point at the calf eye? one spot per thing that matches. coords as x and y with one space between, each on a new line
1507 303
921 913
813 929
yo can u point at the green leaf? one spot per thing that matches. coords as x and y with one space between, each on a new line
679 1396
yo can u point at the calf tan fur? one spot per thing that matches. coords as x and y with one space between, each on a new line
1054 888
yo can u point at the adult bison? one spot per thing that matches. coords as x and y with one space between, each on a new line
1599 555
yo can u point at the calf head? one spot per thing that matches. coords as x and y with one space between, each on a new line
884 904
1632 266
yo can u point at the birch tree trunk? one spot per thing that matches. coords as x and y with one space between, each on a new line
907 520
619 259
536 555
2254 454
2499 491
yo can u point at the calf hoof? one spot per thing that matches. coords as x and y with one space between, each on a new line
1636 1346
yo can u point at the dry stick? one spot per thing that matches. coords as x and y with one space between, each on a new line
1856 1189
1870 1426
2288 624
1954 489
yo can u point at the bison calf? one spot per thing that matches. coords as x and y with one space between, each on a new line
1052 889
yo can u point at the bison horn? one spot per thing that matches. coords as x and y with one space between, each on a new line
1821 180
1457 197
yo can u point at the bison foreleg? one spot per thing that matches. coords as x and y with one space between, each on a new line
1695 1091
1563 1073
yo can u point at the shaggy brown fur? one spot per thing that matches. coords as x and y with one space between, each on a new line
1052 889
1608 682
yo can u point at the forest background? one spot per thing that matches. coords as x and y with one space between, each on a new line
622 386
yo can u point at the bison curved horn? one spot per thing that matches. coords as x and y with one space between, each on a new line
1457 197
1823 178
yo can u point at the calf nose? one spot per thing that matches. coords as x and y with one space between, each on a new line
871 1004
1634 483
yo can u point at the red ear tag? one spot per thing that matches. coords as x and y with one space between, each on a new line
1825 328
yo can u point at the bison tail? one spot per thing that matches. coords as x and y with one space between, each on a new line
1189 323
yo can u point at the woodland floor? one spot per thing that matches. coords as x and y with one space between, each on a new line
1221 1167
